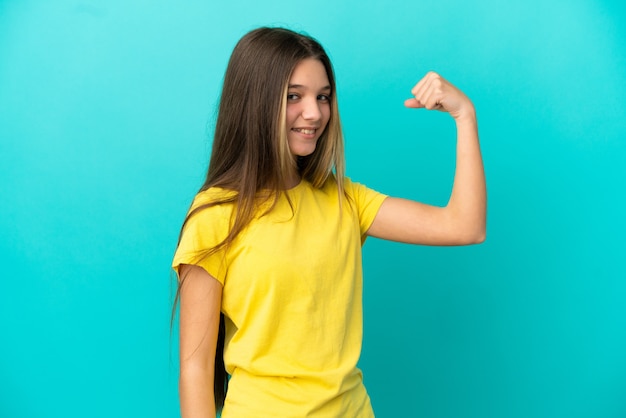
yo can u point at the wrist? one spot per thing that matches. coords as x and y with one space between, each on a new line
466 117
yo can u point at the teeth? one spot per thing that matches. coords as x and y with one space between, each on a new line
306 131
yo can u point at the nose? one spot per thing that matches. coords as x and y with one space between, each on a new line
311 110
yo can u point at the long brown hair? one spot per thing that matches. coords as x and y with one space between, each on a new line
250 153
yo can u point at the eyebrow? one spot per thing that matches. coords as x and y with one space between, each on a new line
300 86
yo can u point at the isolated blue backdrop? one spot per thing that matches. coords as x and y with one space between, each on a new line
106 109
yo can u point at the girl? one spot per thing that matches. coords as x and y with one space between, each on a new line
269 257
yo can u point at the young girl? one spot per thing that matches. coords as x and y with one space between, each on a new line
269 257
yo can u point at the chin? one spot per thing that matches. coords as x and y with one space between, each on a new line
302 151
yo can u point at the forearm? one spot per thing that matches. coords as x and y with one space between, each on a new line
468 200
195 388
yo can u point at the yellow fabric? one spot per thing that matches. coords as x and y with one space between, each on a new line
292 296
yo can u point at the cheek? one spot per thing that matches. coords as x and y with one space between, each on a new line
291 114
326 114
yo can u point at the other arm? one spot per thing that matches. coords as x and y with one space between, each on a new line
463 220
200 302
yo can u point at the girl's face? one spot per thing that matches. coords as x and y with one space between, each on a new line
308 106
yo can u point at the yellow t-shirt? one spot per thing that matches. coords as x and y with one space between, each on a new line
292 298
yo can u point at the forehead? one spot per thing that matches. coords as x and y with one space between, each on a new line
309 72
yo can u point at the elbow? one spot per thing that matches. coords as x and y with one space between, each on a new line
475 231
480 237
467 228
195 371
472 236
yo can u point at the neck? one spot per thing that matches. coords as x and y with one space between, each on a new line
292 180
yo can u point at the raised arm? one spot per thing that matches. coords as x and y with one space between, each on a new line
463 220
200 301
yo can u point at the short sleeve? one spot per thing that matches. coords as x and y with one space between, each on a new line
367 202
204 230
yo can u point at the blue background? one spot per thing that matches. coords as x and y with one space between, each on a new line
106 110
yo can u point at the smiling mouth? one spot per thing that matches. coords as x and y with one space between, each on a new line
305 131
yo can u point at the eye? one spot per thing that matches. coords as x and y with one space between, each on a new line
323 98
292 97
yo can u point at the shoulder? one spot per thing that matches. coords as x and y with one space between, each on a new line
356 190
213 196
350 186
211 208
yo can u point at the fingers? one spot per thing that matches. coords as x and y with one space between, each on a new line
429 91
433 92
419 100
419 87
413 103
